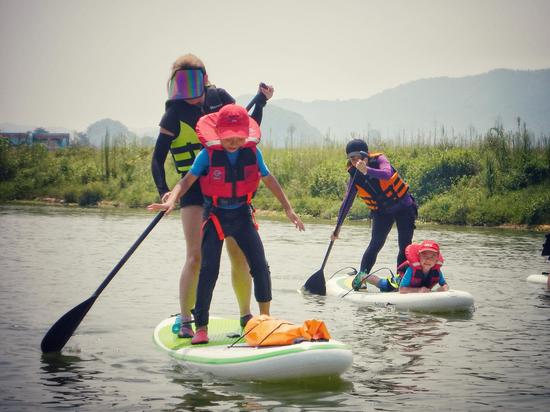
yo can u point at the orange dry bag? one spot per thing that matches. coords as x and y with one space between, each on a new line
267 331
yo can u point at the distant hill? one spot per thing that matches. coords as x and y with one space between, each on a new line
284 128
97 131
420 106
424 107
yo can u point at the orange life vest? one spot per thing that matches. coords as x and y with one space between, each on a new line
380 193
225 183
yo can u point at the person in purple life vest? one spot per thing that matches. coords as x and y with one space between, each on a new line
229 169
422 269
190 96
387 195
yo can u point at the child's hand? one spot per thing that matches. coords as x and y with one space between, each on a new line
165 197
168 207
333 236
294 218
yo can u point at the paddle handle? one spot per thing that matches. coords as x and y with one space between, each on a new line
129 253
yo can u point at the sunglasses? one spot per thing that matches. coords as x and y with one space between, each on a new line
186 84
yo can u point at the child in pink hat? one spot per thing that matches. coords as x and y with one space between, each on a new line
422 269
229 170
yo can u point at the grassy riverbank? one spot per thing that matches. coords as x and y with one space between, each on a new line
501 179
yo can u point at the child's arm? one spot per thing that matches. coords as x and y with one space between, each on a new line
443 286
178 191
273 185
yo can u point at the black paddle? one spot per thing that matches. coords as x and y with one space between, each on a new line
62 330
316 282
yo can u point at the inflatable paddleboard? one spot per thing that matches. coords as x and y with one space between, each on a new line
435 302
225 358
537 279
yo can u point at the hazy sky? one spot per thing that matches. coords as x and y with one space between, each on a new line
69 63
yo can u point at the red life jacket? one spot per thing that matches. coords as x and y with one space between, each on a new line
226 184
420 279
380 193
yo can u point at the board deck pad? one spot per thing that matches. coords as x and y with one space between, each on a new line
220 332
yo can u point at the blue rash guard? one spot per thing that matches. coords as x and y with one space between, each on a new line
406 280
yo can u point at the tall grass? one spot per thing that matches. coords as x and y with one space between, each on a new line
502 177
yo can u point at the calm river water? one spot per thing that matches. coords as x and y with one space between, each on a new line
53 258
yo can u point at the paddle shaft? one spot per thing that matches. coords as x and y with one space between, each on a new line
62 330
327 254
340 220
316 282
128 254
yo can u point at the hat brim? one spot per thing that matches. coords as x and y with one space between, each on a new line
207 129
428 249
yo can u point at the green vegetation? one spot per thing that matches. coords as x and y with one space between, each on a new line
502 178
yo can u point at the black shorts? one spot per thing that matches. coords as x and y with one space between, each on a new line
193 197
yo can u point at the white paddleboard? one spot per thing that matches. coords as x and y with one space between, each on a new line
537 279
434 302
240 361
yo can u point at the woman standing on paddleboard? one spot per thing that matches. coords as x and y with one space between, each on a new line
190 96
387 195
229 170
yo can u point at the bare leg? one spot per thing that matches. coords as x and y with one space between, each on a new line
373 280
240 276
191 218
264 308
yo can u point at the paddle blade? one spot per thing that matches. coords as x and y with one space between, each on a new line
316 284
62 330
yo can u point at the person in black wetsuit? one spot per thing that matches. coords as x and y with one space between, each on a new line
190 96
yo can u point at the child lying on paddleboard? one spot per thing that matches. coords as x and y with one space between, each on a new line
422 269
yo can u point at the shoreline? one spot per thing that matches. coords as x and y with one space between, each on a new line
269 214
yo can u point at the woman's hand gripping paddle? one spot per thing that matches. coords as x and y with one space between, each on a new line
316 282
255 98
62 330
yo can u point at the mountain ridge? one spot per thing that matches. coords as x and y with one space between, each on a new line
429 106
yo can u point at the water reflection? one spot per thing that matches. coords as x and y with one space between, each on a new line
65 378
544 298
392 348
207 393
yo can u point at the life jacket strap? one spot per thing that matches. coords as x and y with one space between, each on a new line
217 225
253 214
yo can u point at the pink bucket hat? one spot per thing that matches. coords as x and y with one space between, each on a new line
428 245
231 121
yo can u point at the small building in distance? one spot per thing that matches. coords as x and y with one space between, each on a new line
50 140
